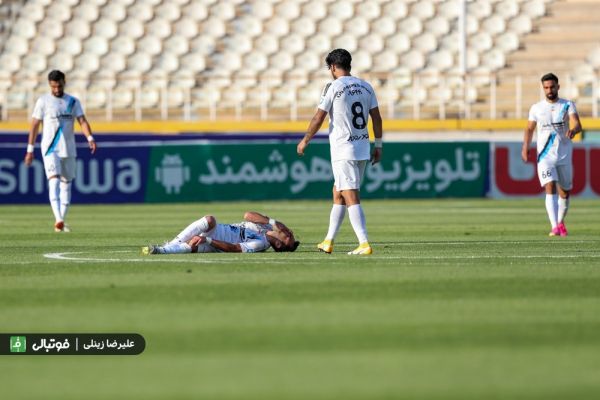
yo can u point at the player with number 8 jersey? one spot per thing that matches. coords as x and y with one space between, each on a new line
349 101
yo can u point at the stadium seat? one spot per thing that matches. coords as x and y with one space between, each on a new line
507 42
425 42
369 10
61 61
126 46
168 11
288 9
261 9
385 26
113 63
480 9
521 24
33 11
319 43
266 44
398 42
203 44
362 61
196 11
283 60
17 45
411 26
314 10
70 45
348 42
507 8
106 28
423 9
58 12
96 97
533 8
122 97
10 62
341 9
439 26
139 62
494 59
481 41
78 28
87 62
494 25
303 26
414 60
166 61
132 28
142 12
247 25
43 45
114 11
255 61
373 42
186 27
223 10
238 43
50 29
277 26
293 43
177 45
385 61
159 27
97 45
449 9
441 60
357 26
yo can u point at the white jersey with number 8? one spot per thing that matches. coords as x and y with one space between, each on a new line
348 101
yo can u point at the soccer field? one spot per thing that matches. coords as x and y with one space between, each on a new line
462 299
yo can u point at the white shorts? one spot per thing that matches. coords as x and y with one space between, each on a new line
561 174
348 174
64 167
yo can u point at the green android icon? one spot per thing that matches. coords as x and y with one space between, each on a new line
18 344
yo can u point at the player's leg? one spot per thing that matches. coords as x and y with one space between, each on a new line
565 184
196 228
350 188
336 217
52 168
547 177
68 166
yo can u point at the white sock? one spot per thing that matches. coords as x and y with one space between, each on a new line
65 198
552 208
54 198
358 221
177 248
193 229
563 207
336 217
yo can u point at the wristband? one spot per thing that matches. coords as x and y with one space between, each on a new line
208 240
29 148
378 143
90 138
272 222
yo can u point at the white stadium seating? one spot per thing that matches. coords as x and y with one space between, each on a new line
200 46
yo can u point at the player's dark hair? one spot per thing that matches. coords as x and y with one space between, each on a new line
550 77
56 76
287 248
340 58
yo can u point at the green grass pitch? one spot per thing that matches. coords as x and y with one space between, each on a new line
462 299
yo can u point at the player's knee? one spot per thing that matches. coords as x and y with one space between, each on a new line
211 221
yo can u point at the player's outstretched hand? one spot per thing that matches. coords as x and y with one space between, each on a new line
376 155
92 146
28 158
301 147
571 133
524 154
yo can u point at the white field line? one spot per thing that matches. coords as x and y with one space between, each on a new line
197 259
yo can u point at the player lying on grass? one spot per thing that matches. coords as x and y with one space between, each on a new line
256 233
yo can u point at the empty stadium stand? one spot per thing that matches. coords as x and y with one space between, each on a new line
202 59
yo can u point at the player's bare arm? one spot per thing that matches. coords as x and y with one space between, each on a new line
575 125
87 131
217 244
258 218
315 124
33 132
527 136
378 133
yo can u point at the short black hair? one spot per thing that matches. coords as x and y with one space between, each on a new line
341 58
291 248
56 76
550 77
